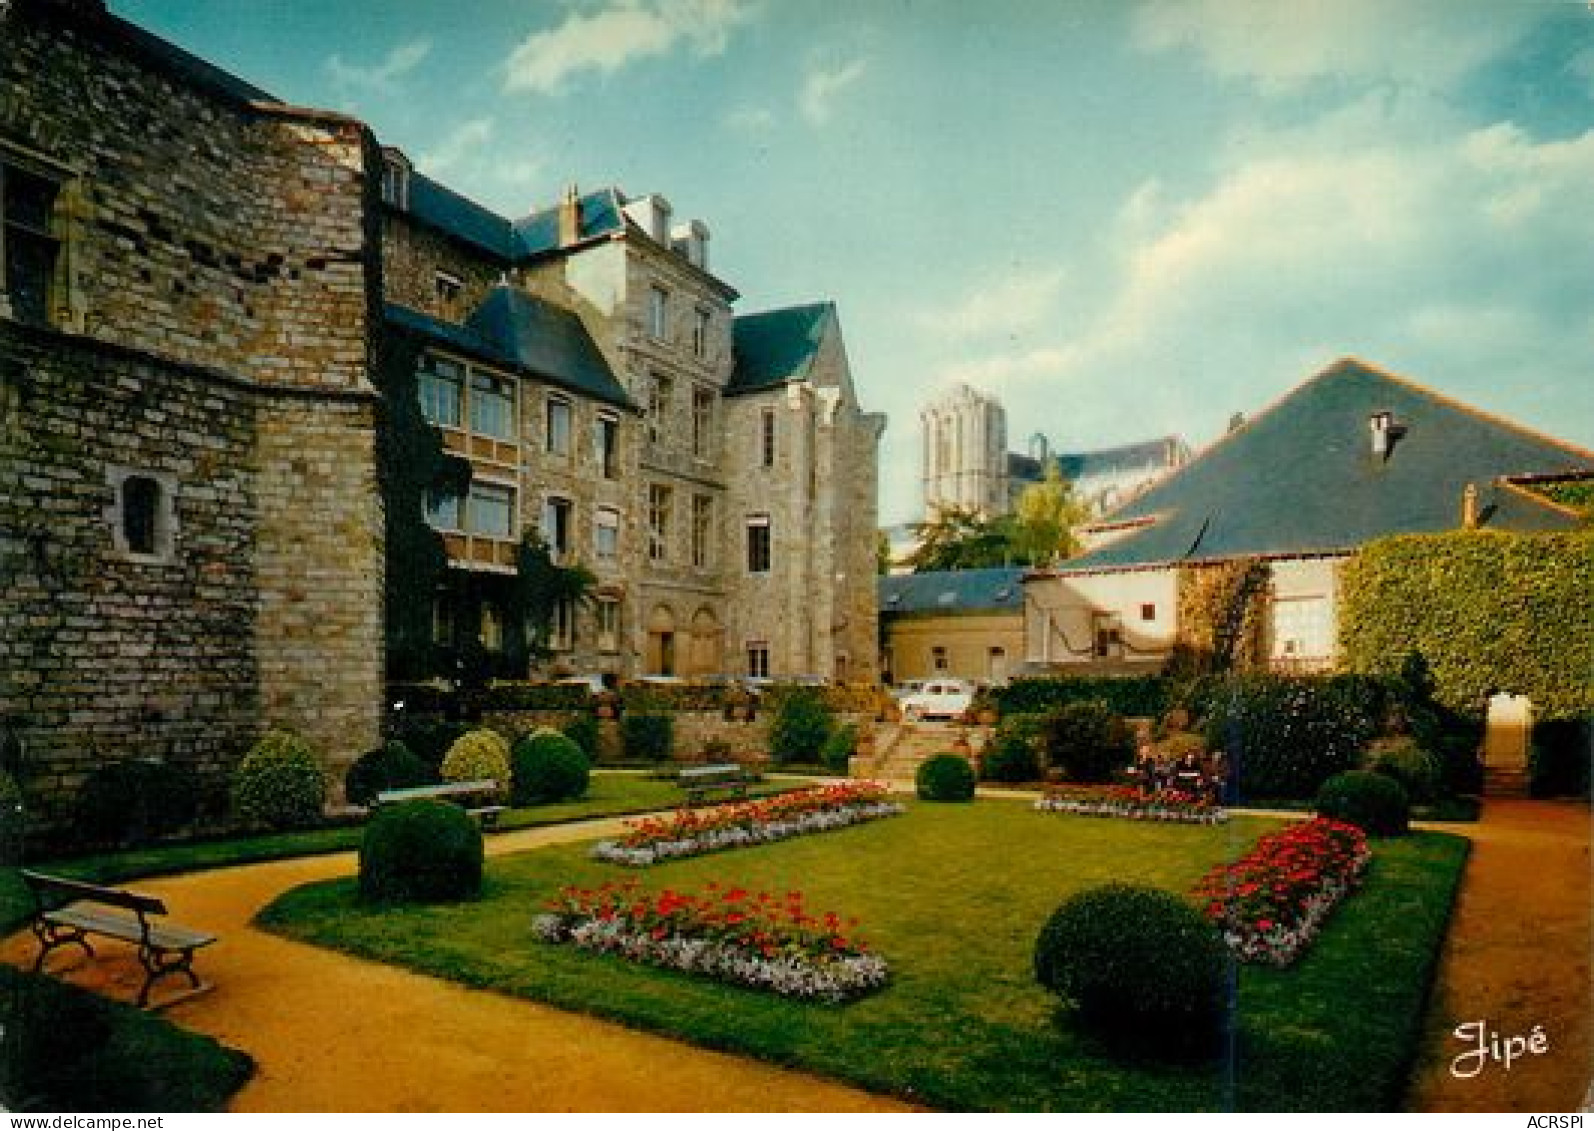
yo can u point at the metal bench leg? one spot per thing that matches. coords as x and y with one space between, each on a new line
158 964
52 935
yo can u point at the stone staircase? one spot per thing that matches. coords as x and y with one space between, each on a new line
1505 781
901 747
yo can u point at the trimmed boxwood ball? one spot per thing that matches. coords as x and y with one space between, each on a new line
1375 803
1136 962
421 851
547 766
945 777
478 755
391 766
280 783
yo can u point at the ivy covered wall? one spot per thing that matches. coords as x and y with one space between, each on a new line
1488 611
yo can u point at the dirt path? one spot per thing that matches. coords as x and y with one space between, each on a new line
1517 957
334 1033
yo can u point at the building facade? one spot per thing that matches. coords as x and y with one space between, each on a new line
277 411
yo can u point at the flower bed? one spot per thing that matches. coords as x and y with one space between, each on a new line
1271 903
1127 801
692 832
754 939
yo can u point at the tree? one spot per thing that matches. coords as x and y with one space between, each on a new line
1045 518
541 586
961 538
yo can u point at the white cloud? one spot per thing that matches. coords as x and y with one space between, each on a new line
823 84
1282 46
380 78
613 37
1008 305
750 120
465 142
471 154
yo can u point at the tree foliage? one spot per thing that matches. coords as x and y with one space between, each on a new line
1045 518
1039 532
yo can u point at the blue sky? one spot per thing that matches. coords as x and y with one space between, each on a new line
1124 219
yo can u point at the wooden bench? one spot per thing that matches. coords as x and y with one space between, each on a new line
700 782
67 911
478 798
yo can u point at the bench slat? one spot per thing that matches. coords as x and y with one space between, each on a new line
446 790
78 889
165 937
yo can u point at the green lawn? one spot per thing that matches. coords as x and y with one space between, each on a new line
953 896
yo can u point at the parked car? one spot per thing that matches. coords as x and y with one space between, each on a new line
901 691
594 682
939 699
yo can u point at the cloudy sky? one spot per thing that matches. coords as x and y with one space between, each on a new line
1124 219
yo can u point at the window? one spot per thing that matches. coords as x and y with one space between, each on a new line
658 522
700 327
659 392
702 531
938 660
608 446
658 312
1108 635
1148 612
608 616
491 510
556 525
441 387
758 544
445 511
143 513
758 659
562 626
766 438
29 243
703 423
395 179
606 535
492 628
558 426
492 407
448 289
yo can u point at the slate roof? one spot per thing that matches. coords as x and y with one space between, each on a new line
1103 461
459 216
777 346
1301 479
601 214
952 592
522 334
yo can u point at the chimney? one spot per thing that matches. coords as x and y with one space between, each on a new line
570 217
1469 507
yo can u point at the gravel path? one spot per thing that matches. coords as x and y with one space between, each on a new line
1517 957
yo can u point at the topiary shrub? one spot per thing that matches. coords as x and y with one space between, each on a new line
648 738
1088 742
479 755
945 777
421 852
546 766
1413 767
133 802
802 723
390 766
1375 803
584 731
430 738
279 783
1010 758
838 748
1138 963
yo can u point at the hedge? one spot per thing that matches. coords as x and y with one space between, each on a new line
1138 696
1488 611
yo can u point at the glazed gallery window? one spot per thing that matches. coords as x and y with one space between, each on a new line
29 245
440 385
492 407
488 510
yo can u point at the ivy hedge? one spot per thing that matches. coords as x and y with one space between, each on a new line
1142 696
1487 611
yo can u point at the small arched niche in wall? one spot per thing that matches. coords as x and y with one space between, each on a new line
143 514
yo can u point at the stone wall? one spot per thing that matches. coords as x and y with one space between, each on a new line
211 344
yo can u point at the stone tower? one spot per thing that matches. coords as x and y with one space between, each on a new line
965 452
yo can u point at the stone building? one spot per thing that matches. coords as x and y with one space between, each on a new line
277 409
191 535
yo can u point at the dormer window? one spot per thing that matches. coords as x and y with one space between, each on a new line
396 178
